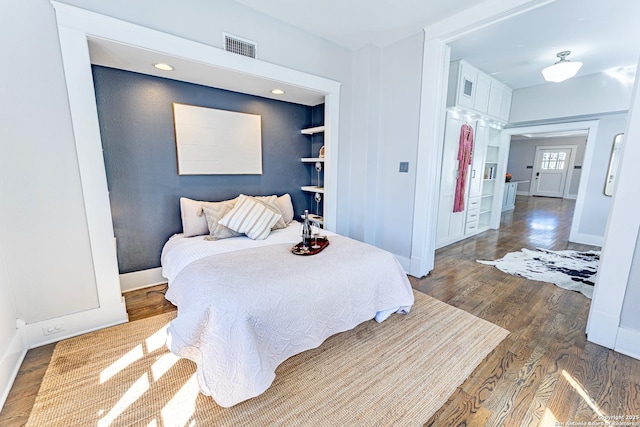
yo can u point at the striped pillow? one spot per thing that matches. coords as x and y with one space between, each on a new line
252 217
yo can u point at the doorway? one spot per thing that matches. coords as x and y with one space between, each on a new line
551 171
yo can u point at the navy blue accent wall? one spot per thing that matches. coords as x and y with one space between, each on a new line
136 124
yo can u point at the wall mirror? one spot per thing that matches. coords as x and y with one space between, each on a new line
614 162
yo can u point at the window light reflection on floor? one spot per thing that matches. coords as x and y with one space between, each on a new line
136 390
180 409
132 356
582 392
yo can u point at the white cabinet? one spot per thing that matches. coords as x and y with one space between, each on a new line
482 182
509 197
450 224
483 89
462 85
471 90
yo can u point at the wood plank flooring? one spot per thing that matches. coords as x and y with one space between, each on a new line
544 372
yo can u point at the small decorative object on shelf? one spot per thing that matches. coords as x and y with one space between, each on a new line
321 154
508 177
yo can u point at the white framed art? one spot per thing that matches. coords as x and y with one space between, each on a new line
217 142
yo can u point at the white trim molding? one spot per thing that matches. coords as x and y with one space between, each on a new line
436 55
628 342
621 237
75 324
141 279
11 359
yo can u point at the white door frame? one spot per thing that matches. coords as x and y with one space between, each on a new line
433 95
591 126
75 27
620 239
570 165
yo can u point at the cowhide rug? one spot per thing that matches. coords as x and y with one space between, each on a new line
571 270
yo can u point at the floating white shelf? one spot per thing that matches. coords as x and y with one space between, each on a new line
312 189
312 159
311 131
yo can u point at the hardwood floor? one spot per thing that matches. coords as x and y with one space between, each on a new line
544 372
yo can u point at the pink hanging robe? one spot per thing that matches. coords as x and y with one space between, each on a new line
465 152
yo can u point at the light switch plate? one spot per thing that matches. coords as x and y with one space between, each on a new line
404 167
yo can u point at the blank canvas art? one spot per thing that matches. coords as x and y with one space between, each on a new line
217 142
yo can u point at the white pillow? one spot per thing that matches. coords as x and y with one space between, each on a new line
286 207
252 217
193 222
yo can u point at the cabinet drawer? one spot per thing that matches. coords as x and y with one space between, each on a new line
471 227
473 215
474 203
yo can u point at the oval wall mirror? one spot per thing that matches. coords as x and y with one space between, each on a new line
614 161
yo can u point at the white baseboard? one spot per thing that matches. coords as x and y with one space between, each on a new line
141 279
405 262
571 196
75 324
10 362
628 342
522 193
586 239
602 327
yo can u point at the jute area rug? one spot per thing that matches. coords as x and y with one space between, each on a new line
572 270
399 372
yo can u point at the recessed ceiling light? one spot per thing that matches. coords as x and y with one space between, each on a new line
277 92
162 66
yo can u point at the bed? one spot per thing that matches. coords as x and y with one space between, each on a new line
246 305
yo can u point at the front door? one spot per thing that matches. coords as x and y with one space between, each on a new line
550 171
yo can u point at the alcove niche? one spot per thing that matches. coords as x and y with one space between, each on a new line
88 38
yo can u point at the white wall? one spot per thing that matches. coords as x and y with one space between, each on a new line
581 96
594 97
596 205
400 122
42 218
630 314
522 153
12 346
362 160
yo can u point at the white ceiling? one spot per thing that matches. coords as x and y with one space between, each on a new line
603 34
132 58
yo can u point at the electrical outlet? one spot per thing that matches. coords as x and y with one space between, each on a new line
50 330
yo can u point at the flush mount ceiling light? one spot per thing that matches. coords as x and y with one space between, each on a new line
164 67
561 70
277 92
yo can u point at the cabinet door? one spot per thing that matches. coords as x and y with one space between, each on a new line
495 99
505 106
467 85
477 164
483 88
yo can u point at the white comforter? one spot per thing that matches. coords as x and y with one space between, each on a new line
242 313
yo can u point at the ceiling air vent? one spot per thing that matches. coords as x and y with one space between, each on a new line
240 46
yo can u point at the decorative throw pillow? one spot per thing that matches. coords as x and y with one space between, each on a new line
214 212
252 217
272 202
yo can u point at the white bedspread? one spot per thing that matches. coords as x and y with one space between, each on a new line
181 251
242 313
